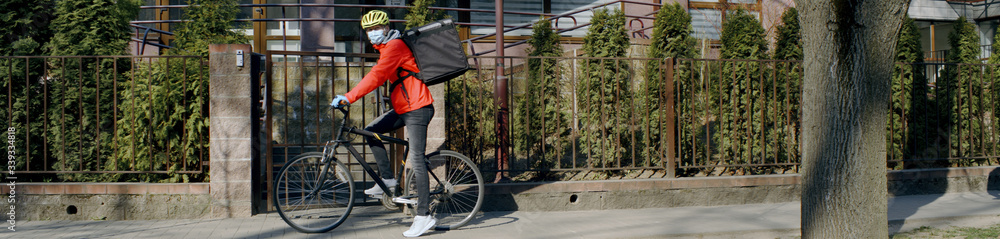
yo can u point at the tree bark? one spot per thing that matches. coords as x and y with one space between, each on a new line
848 47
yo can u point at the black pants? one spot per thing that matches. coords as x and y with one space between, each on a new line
416 132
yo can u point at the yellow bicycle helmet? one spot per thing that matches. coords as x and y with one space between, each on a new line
374 18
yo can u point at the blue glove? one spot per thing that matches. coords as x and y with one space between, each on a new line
339 101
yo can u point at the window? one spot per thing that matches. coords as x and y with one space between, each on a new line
706 23
553 7
707 15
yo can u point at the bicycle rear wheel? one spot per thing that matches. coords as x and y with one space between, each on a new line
310 200
457 195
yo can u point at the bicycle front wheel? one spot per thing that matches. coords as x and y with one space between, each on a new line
313 196
456 193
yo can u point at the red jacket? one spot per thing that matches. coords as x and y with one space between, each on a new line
393 55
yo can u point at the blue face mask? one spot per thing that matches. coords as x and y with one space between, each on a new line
376 36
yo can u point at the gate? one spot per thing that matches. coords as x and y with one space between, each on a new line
297 88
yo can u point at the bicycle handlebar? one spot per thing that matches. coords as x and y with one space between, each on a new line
344 108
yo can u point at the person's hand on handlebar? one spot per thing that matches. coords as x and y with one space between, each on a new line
340 101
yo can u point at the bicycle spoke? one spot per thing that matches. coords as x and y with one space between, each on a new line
465 196
464 204
297 202
448 208
463 179
455 172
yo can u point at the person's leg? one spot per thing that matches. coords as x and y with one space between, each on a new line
384 123
416 130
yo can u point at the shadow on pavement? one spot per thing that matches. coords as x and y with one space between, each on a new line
490 219
366 218
993 183
920 187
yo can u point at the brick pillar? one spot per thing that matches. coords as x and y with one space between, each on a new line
436 133
230 136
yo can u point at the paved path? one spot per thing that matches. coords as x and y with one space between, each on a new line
743 221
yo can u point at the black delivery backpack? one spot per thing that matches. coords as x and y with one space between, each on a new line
438 52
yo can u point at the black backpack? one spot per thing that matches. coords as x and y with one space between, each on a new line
438 52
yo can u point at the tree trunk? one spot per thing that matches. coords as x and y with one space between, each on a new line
849 47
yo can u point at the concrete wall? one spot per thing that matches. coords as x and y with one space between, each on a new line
111 201
138 201
641 193
714 191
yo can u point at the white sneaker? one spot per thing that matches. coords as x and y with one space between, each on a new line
377 191
411 200
420 225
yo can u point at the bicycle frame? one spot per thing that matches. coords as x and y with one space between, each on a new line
341 141
328 152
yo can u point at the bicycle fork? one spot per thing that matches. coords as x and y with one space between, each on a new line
326 161
319 181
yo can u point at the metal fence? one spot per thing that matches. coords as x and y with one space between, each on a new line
99 118
586 118
697 117
559 121
944 115
629 117
738 116
107 118
298 88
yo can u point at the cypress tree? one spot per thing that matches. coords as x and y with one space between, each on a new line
908 121
671 39
784 125
24 33
539 118
788 43
995 90
604 94
961 91
80 125
742 118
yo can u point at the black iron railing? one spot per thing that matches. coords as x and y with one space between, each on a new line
107 118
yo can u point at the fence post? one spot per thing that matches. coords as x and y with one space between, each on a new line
671 136
231 131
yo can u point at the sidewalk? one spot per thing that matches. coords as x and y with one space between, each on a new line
740 221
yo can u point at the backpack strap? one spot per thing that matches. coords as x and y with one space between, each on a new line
400 82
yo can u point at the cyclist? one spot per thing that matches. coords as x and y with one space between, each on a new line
412 107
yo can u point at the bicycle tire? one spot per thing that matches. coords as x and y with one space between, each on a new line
308 212
463 189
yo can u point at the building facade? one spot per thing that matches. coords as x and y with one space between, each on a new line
332 25
936 19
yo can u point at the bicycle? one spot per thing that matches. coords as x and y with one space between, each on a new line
315 192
